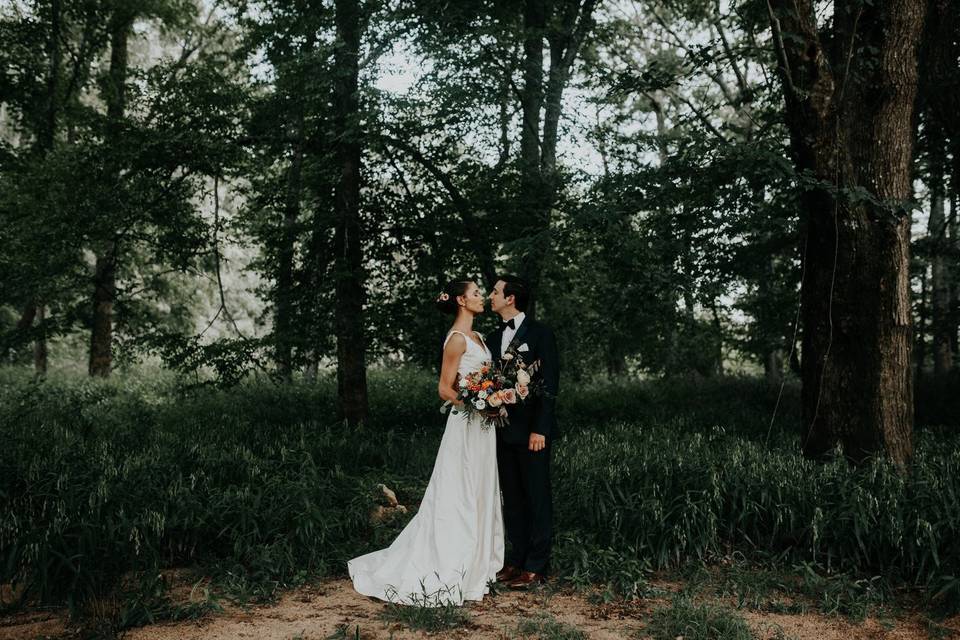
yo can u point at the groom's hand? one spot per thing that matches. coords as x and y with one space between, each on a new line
537 442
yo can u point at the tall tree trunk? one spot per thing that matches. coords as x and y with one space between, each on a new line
531 103
568 23
671 359
939 100
107 249
46 138
850 123
284 316
504 98
348 249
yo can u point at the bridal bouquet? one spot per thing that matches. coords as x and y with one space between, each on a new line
488 391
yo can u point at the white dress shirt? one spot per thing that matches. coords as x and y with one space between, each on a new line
508 333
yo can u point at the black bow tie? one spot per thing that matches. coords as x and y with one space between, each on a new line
509 323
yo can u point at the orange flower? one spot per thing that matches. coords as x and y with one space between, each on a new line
486 384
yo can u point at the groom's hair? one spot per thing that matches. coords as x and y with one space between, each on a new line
518 288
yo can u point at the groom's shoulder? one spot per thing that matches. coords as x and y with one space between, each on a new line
540 326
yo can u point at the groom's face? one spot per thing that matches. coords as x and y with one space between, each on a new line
497 300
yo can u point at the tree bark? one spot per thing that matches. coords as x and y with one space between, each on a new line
284 312
938 102
107 249
538 162
46 137
849 112
348 249
531 103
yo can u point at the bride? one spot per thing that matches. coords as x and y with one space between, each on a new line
453 546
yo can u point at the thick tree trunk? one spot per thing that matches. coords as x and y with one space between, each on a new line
348 249
850 123
105 270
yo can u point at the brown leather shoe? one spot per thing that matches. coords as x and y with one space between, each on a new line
526 580
508 573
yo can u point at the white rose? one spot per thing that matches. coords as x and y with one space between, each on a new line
494 400
480 405
523 377
482 395
463 383
522 391
507 356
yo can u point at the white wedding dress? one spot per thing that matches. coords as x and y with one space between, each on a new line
454 544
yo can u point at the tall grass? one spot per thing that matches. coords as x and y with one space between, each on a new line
105 484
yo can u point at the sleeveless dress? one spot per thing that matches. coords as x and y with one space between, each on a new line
454 544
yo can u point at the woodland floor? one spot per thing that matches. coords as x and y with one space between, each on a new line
331 610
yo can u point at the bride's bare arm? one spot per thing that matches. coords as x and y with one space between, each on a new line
456 345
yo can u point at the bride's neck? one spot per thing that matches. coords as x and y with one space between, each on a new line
463 322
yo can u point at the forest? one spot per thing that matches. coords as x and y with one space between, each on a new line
224 224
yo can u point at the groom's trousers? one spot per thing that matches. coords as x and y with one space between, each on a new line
527 504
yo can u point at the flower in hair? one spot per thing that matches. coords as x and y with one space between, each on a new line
443 297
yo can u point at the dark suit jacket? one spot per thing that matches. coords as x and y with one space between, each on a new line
537 414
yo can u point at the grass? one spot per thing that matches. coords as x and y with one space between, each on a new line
105 484
794 589
430 619
691 621
430 613
546 627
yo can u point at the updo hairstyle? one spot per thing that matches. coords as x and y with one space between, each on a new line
447 300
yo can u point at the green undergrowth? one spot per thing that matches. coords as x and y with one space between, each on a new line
683 618
545 627
104 485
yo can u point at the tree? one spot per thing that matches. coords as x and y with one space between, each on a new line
564 24
849 90
348 237
937 104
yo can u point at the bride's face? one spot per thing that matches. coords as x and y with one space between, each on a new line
473 299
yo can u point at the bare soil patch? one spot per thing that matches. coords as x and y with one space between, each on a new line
331 609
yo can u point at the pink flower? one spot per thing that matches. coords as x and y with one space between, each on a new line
522 391
509 396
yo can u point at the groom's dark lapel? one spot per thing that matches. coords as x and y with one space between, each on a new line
521 331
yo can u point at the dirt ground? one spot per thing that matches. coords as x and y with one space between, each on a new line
319 612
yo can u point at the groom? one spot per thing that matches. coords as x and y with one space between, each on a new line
525 444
